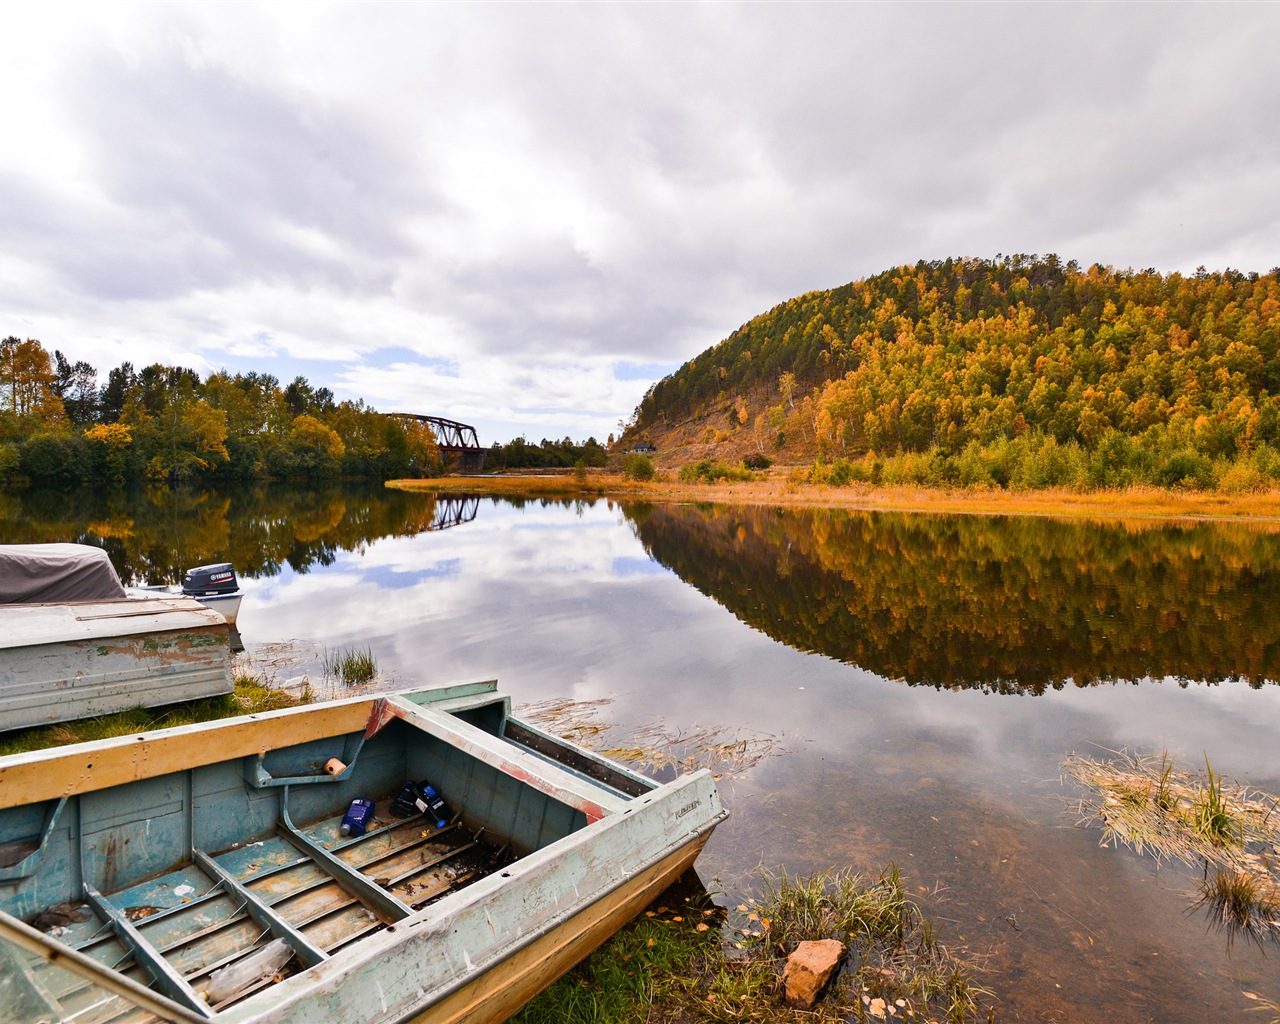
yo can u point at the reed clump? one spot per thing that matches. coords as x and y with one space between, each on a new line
353 666
1197 818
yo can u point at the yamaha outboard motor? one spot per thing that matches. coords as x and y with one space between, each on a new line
206 580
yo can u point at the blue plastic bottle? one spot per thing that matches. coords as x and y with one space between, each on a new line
432 804
356 820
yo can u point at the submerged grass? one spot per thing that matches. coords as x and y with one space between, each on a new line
1145 804
685 963
654 749
251 695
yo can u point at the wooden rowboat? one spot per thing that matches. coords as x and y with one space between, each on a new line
199 873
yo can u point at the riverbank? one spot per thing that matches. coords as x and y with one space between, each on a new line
775 489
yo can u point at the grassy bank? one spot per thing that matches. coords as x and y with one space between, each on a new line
776 489
688 960
251 696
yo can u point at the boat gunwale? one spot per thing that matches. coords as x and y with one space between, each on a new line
56 772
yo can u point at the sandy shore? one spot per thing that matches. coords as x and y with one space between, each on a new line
1134 503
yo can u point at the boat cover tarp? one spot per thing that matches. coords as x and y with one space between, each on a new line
44 573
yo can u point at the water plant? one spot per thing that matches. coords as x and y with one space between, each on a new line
1144 803
351 665
1213 816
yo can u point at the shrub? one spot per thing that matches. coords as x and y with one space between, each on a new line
9 460
55 459
757 461
637 467
711 471
1185 467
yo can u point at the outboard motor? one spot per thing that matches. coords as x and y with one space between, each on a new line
207 580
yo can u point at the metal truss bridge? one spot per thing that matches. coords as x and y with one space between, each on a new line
458 441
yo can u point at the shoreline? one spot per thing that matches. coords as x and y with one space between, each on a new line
1133 503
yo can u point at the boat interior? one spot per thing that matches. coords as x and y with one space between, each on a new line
174 880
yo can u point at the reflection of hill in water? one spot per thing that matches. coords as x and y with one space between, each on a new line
1010 605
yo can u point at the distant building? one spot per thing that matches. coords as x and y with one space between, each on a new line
644 448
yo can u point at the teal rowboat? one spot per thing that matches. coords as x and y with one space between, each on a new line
200 873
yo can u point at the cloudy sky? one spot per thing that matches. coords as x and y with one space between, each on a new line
520 215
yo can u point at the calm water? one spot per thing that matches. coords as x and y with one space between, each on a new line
922 678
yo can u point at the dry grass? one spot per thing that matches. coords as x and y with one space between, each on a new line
1136 503
1199 818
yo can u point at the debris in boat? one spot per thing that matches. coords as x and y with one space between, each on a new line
138 913
228 982
60 915
654 749
184 890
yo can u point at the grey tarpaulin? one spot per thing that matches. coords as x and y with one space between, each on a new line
45 573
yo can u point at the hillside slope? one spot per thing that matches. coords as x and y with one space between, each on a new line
1161 373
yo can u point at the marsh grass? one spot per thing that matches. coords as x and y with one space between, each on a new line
251 696
1144 803
352 666
1133 504
685 963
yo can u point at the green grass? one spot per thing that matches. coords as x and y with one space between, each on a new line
251 696
684 963
351 665
623 980
1214 817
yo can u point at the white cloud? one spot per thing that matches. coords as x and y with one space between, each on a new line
537 194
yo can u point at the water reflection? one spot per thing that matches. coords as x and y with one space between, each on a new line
561 600
156 534
1006 605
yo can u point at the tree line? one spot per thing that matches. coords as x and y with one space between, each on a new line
61 426
1021 369
1007 605
520 454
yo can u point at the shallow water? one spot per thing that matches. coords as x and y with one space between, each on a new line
923 678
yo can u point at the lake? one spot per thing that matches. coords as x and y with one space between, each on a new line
902 688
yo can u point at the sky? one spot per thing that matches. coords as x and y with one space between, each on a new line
521 215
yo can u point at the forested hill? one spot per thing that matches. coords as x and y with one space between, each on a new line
968 353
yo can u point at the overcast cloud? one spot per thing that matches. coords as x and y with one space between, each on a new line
520 215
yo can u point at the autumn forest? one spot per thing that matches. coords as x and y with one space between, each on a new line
60 427
1018 372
